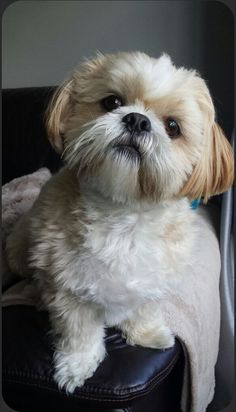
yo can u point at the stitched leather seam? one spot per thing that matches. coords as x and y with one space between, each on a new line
106 391
83 396
88 387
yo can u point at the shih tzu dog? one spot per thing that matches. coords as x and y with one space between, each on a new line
113 231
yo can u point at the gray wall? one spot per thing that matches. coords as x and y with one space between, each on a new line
44 40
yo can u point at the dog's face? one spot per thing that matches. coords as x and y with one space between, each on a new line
139 128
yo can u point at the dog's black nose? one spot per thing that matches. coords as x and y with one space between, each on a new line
136 122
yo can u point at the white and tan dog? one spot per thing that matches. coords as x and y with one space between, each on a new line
113 231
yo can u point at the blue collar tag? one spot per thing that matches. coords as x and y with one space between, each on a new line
195 203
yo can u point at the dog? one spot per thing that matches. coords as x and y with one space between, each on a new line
112 233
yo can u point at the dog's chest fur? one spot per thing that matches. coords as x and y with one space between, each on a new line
118 256
129 256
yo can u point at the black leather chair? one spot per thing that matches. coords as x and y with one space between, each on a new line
130 379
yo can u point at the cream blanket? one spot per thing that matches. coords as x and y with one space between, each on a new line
193 313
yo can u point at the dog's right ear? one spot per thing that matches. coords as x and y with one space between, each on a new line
58 113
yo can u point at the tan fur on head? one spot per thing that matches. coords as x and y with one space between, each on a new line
198 163
214 173
58 113
60 109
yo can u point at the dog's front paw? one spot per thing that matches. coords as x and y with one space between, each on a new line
72 369
158 338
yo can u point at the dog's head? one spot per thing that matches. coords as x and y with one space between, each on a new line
139 128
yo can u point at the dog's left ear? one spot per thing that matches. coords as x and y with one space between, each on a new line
58 113
214 173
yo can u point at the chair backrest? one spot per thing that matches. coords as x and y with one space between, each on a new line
24 139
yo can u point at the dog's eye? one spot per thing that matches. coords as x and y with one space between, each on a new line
172 127
111 102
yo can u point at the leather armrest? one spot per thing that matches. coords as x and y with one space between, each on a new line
126 377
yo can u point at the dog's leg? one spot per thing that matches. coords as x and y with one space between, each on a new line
80 348
146 328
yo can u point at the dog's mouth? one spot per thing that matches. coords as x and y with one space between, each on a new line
128 148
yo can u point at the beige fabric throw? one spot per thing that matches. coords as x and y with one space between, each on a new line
17 197
193 313
194 316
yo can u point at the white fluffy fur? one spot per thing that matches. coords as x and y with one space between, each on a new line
102 245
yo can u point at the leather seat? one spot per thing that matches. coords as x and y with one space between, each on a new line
130 378
126 376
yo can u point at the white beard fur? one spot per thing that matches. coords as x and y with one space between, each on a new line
101 264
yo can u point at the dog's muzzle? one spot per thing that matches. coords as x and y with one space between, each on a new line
133 143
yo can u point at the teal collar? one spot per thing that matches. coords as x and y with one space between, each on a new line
195 203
